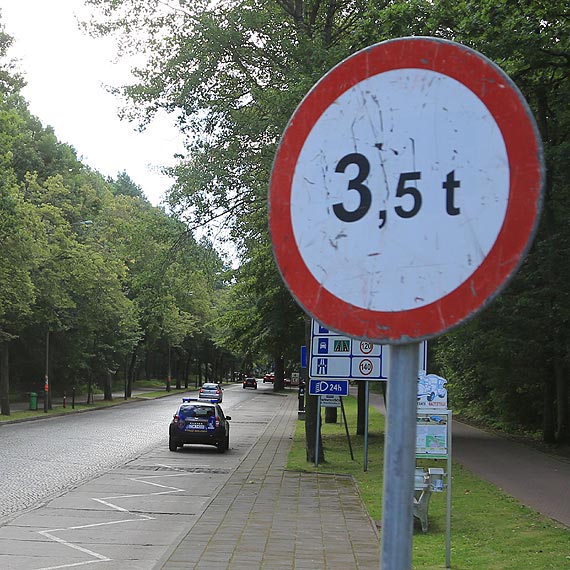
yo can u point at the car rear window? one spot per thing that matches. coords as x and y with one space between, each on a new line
210 386
194 411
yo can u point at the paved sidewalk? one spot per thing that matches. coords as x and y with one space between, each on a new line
265 517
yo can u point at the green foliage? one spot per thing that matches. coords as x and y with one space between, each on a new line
88 265
233 73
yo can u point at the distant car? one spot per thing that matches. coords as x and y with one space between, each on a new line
211 391
250 382
286 381
199 421
269 377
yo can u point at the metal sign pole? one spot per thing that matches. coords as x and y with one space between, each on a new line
366 404
448 497
318 431
399 460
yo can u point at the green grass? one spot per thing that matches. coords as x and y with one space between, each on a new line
490 530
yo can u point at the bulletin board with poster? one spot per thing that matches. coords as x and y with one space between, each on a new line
433 435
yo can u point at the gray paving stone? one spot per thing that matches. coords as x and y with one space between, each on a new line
267 518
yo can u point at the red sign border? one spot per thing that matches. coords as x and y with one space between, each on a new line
524 150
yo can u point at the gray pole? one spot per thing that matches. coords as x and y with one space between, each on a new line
46 377
318 431
400 459
366 405
448 493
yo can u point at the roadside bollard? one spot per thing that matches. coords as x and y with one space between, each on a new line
73 398
64 400
301 397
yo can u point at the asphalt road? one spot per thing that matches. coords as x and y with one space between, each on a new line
86 487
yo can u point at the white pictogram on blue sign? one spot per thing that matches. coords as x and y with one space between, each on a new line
322 366
323 347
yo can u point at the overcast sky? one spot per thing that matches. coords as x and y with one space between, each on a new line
66 71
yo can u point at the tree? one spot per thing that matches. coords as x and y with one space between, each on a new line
234 71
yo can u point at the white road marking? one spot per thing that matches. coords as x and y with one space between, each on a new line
106 501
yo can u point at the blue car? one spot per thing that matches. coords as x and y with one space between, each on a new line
199 421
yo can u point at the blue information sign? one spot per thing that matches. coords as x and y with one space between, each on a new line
328 387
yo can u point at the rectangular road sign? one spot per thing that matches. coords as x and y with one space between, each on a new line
330 402
328 387
339 356
330 367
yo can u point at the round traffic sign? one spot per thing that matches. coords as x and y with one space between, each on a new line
365 367
405 191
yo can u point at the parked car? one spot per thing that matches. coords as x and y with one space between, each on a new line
198 421
250 382
269 377
211 391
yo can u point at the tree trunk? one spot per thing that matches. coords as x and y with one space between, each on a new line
4 381
131 374
311 408
278 383
169 370
90 389
108 392
187 365
177 370
311 414
562 424
548 419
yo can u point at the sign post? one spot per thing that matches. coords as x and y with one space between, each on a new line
404 195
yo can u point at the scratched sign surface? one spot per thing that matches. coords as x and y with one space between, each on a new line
405 191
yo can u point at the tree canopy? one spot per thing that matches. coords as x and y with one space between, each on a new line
234 71
93 279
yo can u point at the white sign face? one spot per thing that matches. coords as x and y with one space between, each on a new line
330 367
405 191
412 200
330 401
366 348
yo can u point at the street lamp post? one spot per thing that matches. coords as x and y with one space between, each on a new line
46 377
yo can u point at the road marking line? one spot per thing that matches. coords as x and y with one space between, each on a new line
105 501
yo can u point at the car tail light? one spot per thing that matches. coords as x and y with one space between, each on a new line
218 421
175 419
217 391
201 390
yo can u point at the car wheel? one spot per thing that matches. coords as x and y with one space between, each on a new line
255 387
221 446
227 442
172 445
